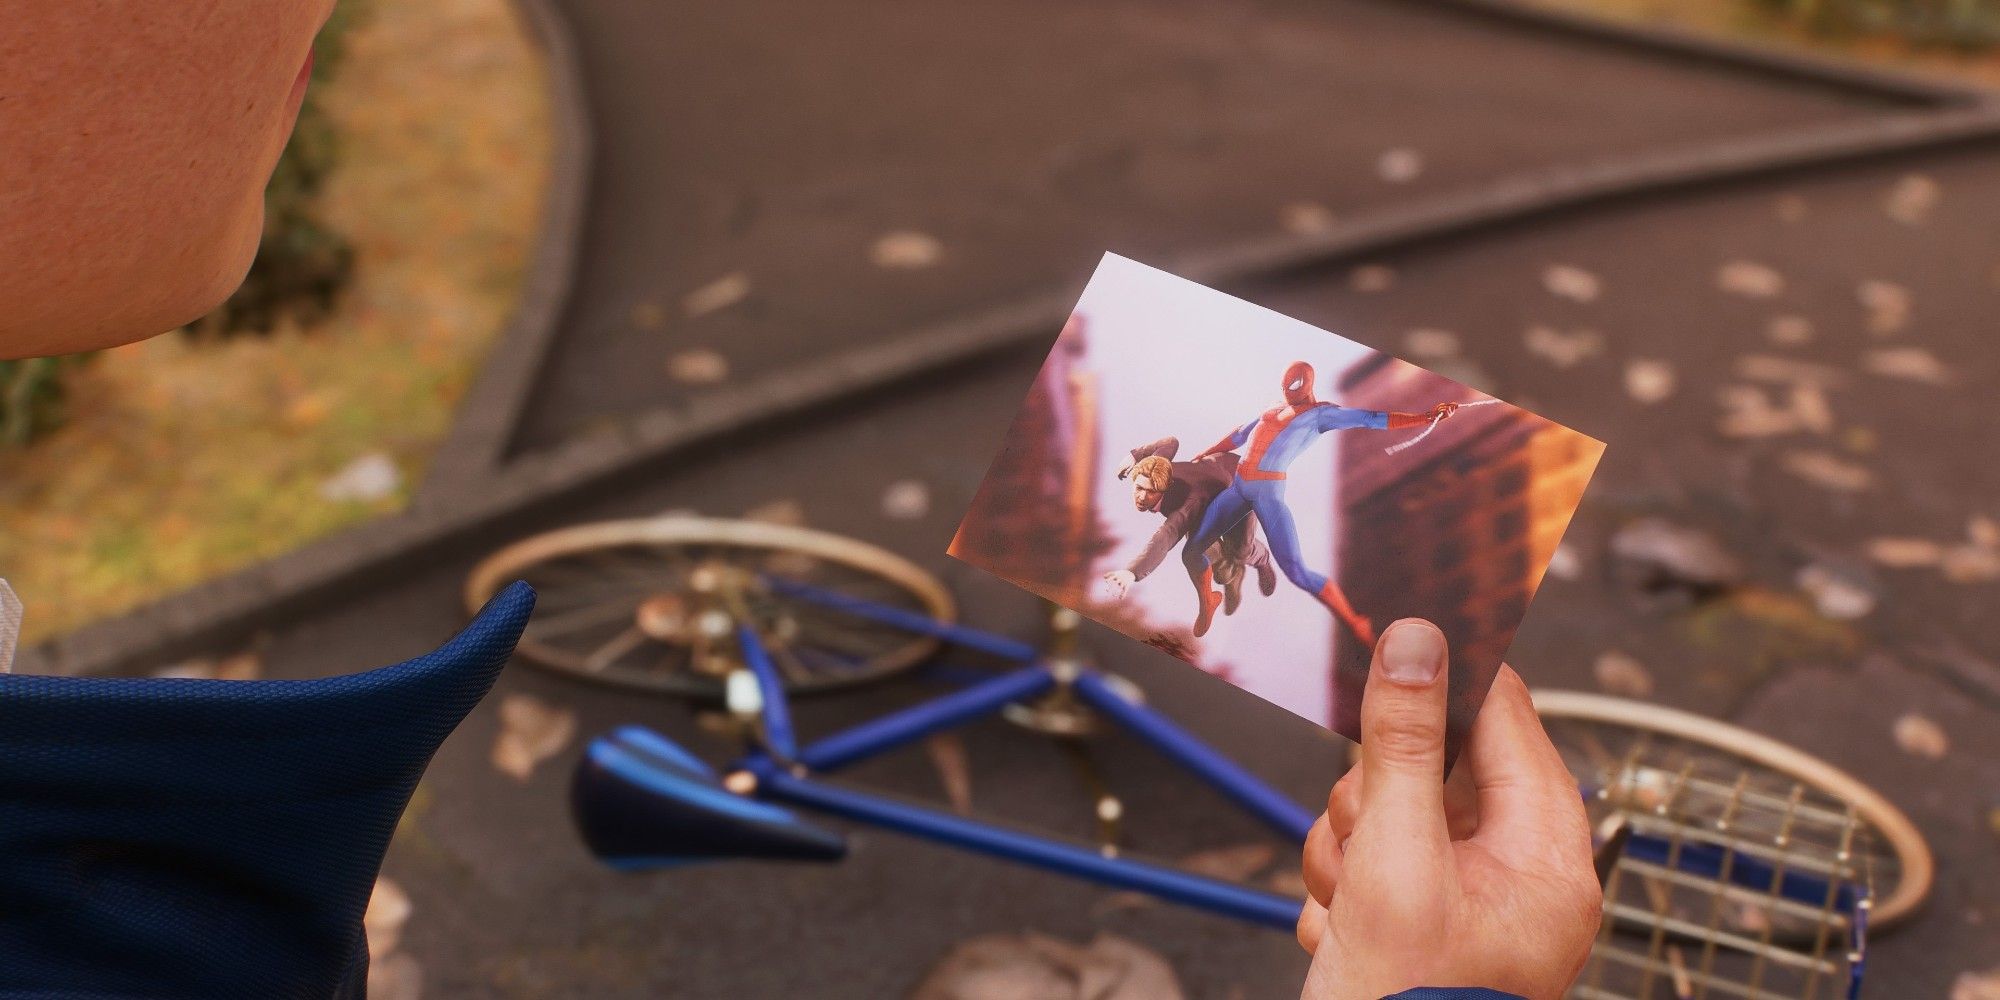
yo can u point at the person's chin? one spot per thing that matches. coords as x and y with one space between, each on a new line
160 303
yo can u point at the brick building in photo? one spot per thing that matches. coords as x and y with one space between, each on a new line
1034 520
1456 529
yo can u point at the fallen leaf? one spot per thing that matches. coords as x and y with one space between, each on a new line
1905 553
1287 881
1230 864
244 666
647 316
309 410
1034 967
1673 553
1306 218
1920 736
1563 349
1810 407
1567 281
371 477
1749 413
1979 529
719 294
905 250
1622 674
947 754
1837 593
1429 343
787 512
1825 469
1791 208
1753 919
1887 304
11 613
1971 564
1372 278
1791 331
388 910
1565 563
906 500
1400 166
1749 278
1770 368
1977 985
1913 363
1649 380
398 977
701 366
531 731
1911 199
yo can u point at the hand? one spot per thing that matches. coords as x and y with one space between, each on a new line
1443 410
1126 470
1484 880
1119 581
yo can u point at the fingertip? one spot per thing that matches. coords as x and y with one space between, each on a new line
1311 926
1321 861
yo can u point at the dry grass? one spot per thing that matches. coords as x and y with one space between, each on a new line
186 460
1748 21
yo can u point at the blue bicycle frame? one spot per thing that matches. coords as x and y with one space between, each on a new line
784 771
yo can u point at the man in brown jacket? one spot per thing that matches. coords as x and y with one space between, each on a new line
1180 492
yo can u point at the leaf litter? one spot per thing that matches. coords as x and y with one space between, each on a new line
1032 966
1563 349
1567 281
531 731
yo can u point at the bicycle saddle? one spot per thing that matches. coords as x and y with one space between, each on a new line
641 801
174 839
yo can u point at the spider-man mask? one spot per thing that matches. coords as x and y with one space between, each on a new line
1299 384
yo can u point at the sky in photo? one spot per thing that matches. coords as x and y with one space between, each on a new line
1176 358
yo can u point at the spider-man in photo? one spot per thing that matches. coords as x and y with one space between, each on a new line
1275 438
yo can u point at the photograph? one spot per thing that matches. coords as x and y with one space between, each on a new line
971 500
1261 497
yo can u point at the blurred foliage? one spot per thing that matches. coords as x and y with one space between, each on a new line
302 263
32 396
184 458
1969 24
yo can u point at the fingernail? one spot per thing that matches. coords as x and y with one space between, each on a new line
1412 653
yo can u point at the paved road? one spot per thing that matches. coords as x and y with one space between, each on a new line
780 138
508 905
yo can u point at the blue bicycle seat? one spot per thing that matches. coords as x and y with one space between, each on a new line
174 839
641 801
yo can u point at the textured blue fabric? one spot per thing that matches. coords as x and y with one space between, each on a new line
173 838
1452 993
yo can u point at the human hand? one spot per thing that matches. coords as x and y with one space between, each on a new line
1483 880
1443 410
1119 581
1125 470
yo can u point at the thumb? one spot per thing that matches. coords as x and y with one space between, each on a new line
1402 739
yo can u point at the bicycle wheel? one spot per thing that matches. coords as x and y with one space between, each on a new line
619 602
1753 868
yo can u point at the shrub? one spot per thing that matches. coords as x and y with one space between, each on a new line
1955 23
302 264
31 397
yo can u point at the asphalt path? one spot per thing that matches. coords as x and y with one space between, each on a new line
508 904
780 139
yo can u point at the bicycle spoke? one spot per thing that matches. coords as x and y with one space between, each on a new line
604 656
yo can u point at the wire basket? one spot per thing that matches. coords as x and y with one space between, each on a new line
1733 866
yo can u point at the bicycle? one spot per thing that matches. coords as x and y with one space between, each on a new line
1696 818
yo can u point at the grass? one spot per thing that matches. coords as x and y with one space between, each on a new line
184 459
1753 21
